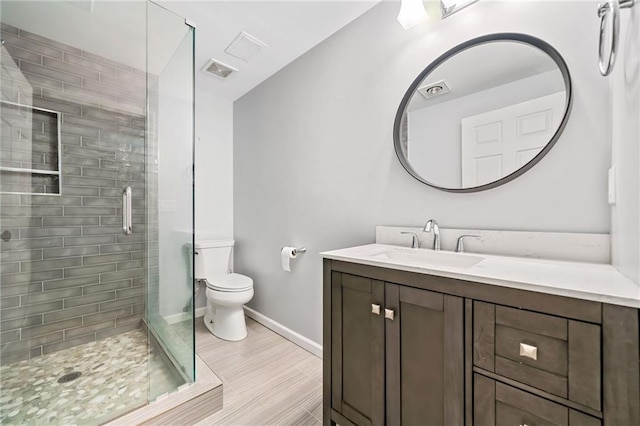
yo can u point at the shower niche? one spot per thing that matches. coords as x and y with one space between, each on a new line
31 149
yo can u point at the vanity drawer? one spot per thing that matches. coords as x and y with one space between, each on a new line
497 404
553 354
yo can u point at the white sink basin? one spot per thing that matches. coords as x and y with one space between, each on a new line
429 258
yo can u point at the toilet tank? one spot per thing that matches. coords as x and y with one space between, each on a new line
212 257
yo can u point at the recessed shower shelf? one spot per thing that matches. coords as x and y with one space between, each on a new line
34 137
30 181
32 171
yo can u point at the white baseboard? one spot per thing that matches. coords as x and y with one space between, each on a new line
183 316
287 333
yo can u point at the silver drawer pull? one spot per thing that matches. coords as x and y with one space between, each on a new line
528 351
389 314
375 309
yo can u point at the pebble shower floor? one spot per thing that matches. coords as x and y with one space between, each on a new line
115 379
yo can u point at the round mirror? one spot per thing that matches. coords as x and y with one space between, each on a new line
483 113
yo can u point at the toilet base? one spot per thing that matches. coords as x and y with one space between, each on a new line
208 322
226 309
228 324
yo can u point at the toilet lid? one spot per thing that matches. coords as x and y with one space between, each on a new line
230 282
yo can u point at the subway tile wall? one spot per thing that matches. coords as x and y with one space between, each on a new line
69 275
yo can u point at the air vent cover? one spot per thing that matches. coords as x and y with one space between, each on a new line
245 46
432 90
218 69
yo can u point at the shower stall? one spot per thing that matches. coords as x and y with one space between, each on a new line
96 209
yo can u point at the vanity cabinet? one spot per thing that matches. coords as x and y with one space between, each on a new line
405 348
397 353
499 404
550 353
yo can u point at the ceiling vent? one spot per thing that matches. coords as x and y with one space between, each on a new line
432 90
245 46
219 69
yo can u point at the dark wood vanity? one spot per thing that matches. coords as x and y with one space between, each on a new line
415 349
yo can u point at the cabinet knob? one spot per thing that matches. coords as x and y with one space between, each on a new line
528 351
389 314
375 309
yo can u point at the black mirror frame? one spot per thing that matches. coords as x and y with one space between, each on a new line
521 38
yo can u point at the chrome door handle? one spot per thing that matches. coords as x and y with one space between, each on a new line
375 309
126 211
389 314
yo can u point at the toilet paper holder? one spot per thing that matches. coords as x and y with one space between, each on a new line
299 250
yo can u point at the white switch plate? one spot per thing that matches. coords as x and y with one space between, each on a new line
612 186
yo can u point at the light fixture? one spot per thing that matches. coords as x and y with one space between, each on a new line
412 13
449 7
432 90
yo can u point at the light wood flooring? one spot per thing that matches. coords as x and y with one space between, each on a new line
267 379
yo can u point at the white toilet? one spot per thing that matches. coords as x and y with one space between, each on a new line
226 291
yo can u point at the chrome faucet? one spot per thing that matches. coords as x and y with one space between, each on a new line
432 226
414 241
460 244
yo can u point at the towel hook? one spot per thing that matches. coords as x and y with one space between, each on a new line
611 7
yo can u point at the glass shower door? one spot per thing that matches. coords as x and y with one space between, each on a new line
96 209
170 198
72 136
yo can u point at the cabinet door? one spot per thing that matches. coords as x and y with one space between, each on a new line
424 357
357 354
497 404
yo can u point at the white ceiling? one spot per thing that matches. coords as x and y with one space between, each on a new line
289 28
483 67
117 30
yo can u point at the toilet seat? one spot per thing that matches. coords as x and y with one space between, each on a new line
230 283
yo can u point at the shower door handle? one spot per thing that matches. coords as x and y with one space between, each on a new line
126 210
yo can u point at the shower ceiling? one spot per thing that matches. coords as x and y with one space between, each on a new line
112 29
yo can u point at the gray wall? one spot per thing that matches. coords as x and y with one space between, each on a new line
314 163
69 276
625 112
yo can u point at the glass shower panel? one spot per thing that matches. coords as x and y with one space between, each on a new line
170 203
83 227
73 348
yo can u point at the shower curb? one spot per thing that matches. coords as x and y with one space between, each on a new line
189 405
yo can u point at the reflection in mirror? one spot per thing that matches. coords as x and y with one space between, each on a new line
483 113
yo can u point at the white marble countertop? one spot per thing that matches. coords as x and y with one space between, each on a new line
589 281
